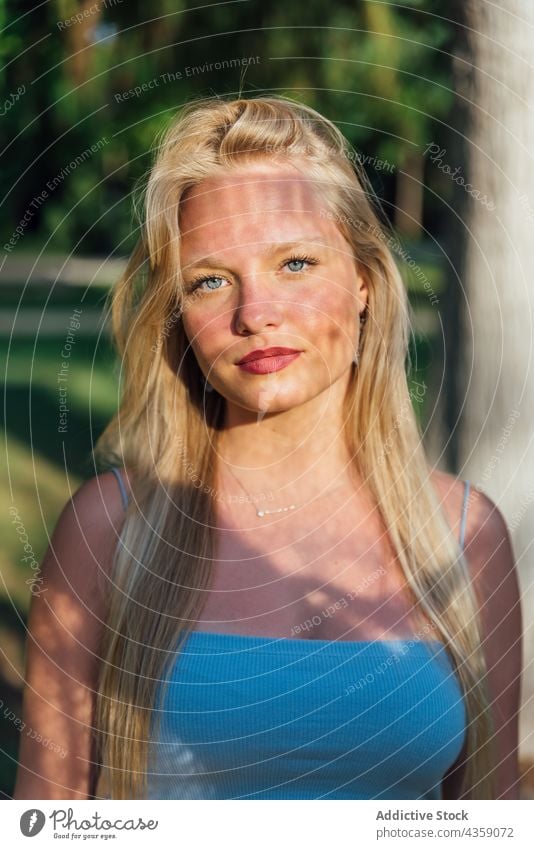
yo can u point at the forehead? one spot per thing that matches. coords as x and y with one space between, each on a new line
253 204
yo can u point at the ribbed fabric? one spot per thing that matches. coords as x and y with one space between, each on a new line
258 718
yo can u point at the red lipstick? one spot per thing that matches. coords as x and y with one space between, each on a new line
263 361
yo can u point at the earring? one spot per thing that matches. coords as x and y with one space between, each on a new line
208 387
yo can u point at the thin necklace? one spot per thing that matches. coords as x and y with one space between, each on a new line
262 513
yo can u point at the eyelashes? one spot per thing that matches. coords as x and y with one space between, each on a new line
199 280
302 258
196 282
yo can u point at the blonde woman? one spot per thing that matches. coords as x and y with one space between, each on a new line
269 593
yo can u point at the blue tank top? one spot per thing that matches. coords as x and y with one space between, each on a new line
248 717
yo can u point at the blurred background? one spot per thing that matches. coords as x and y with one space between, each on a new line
436 99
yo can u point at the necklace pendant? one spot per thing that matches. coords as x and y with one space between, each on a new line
262 513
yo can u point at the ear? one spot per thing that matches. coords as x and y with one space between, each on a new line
362 286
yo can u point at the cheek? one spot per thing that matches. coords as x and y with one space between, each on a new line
331 325
201 332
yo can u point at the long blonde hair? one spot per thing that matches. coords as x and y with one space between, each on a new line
165 432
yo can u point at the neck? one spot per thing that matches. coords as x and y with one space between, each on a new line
300 450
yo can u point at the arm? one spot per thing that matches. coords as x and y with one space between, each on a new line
494 577
65 625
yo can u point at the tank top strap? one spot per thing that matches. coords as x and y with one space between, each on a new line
467 487
116 471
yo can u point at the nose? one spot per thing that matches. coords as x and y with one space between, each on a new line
257 307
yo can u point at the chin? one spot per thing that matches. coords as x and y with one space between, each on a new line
266 402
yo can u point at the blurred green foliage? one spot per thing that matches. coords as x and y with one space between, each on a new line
380 71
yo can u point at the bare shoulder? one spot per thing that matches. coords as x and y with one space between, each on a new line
488 546
487 540
490 556
491 564
98 500
86 534
493 576
66 621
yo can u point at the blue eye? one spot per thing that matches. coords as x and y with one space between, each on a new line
296 260
196 283
307 259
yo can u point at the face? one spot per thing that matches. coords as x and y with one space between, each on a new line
264 267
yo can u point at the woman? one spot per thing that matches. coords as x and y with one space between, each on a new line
292 604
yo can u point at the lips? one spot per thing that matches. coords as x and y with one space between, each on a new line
267 352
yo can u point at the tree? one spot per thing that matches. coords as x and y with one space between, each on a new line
495 438
111 75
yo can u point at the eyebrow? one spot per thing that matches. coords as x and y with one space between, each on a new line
270 250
